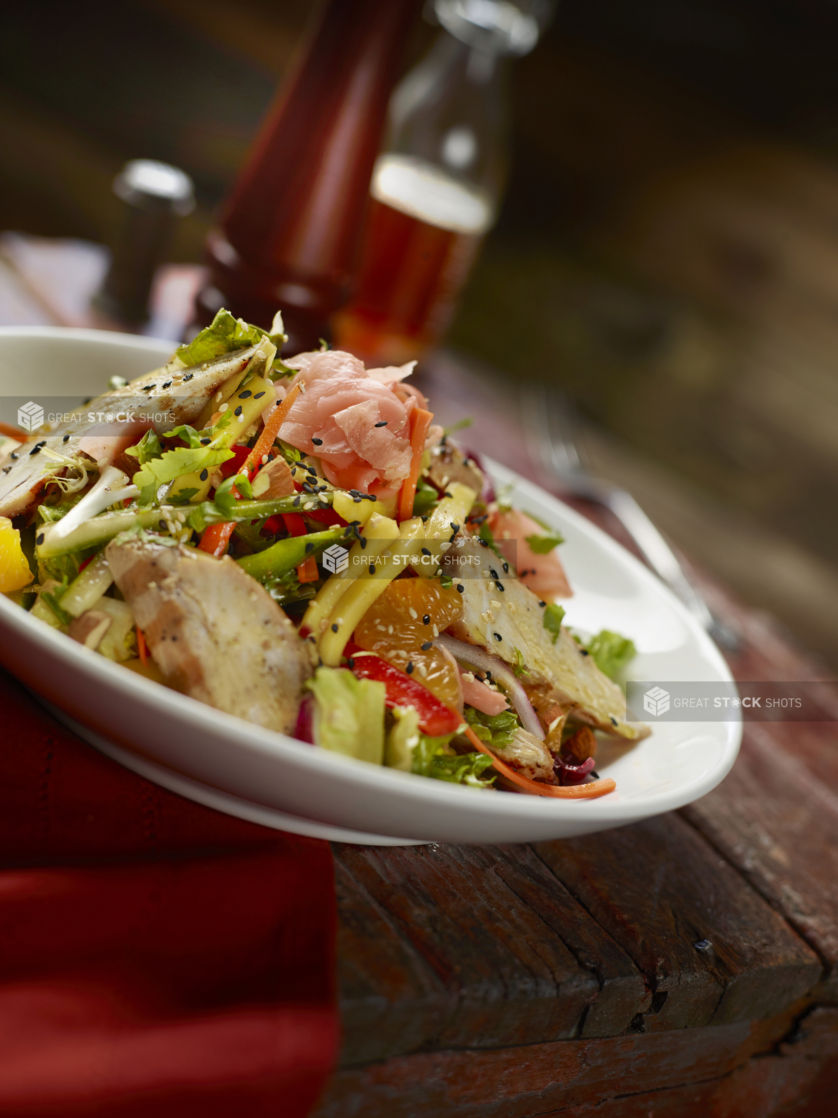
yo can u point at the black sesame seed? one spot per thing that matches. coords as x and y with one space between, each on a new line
36 449
493 573
14 456
258 395
426 620
454 527
238 411
317 442
362 540
334 626
594 774
149 387
40 539
425 551
66 439
614 721
542 604
409 667
506 568
244 395
372 568
460 588
350 663
188 376
584 651
309 548
6 469
204 474
356 500
427 646
161 524
168 384
296 502
499 586
497 636
381 423
205 442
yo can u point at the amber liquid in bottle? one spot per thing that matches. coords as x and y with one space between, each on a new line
423 231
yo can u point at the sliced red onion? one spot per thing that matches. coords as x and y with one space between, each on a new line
304 730
502 673
572 774
488 494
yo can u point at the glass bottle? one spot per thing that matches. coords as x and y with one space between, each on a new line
290 233
437 186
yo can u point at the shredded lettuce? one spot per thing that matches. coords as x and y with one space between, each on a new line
496 730
611 652
432 757
552 620
543 545
226 333
349 714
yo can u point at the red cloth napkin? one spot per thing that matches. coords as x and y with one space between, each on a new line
156 957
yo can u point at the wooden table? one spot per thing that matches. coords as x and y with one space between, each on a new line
684 966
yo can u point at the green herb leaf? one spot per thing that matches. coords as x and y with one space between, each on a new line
520 667
173 464
611 652
552 620
426 498
496 730
542 545
147 448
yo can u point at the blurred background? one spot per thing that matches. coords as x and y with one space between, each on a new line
666 250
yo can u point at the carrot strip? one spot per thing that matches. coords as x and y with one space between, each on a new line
271 429
13 432
307 571
420 421
142 647
571 792
216 537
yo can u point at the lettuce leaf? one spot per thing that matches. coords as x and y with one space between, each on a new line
349 714
432 758
496 730
611 652
227 333
543 545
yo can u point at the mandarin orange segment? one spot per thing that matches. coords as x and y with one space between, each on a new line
435 669
397 618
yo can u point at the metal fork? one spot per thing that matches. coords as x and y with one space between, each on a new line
551 421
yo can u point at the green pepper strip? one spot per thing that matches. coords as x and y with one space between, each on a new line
285 555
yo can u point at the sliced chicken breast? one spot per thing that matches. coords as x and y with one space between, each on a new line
213 631
165 397
502 615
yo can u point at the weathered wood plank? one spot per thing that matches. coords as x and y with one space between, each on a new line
390 999
778 825
536 1080
623 991
514 979
711 950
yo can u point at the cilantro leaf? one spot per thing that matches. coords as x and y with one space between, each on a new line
611 652
147 448
172 464
542 545
552 620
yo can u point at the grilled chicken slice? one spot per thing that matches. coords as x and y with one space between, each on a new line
165 397
504 620
213 631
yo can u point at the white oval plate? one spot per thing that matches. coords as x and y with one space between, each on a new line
679 763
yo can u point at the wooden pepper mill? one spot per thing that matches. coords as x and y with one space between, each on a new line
290 232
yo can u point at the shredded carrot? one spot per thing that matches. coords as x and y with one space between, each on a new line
307 570
271 429
142 647
216 538
13 432
568 792
420 421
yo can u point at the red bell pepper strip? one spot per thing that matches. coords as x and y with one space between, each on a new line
435 718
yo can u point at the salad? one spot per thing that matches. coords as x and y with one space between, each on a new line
295 542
